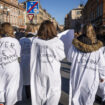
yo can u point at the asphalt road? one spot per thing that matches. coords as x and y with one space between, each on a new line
65 71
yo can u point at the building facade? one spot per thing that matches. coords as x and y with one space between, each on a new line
11 11
73 19
67 22
94 12
40 17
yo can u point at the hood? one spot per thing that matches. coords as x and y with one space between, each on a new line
101 38
84 44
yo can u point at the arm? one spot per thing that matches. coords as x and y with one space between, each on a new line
101 66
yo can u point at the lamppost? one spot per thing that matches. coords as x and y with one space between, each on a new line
3 10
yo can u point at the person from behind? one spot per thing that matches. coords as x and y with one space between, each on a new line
7 30
31 30
46 53
87 69
26 43
10 74
101 90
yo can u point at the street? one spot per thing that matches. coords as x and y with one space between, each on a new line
65 86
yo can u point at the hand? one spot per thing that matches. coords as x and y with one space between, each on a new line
101 80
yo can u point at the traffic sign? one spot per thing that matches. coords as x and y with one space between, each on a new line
30 16
32 7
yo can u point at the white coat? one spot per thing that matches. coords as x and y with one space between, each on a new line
10 74
66 37
45 71
86 69
101 88
25 58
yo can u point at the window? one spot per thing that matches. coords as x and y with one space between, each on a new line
101 9
78 12
98 11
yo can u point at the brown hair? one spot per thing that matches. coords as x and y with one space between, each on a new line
89 31
7 29
31 28
47 30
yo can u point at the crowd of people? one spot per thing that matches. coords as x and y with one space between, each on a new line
34 62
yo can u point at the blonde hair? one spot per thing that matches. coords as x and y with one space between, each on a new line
31 28
89 31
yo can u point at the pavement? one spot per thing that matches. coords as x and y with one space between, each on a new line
65 72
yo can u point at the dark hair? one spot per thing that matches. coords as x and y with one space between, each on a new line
47 30
5 23
7 29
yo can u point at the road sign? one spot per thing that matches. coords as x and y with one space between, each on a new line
32 7
30 16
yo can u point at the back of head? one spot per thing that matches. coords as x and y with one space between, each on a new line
7 29
31 28
47 30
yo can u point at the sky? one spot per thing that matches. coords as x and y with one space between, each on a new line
59 8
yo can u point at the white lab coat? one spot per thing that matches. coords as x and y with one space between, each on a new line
66 37
45 71
101 89
86 70
25 58
10 74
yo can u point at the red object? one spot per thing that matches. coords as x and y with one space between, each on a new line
32 7
1 104
30 16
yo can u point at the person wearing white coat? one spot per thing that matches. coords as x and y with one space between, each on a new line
101 89
46 53
67 37
88 67
26 43
10 75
